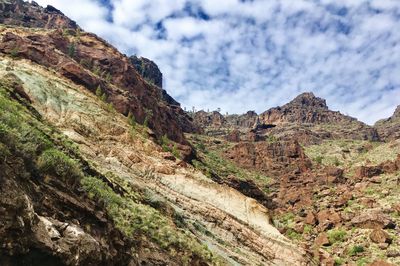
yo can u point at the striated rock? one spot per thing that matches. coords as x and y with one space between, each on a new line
128 92
380 236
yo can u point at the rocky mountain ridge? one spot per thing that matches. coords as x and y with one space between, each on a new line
306 118
389 128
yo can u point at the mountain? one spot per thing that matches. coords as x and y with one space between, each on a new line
389 128
306 118
328 179
95 168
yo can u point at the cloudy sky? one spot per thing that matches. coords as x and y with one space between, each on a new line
242 55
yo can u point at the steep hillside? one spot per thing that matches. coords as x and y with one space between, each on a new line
128 175
389 129
93 169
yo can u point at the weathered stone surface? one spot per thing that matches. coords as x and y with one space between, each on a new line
20 13
373 219
380 236
285 157
322 240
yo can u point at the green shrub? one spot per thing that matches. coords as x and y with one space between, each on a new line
355 250
56 163
271 139
318 159
14 52
338 262
71 50
132 120
147 118
336 235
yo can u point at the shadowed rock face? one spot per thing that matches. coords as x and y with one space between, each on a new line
152 74
389 129
148 70
20 13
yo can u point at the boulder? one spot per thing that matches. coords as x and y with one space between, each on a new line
380 236
373 219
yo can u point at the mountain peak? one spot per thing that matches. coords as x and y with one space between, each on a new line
397 112
308 99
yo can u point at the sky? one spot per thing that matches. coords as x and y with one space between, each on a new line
241 55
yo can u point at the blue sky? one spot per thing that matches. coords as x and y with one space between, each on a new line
241 55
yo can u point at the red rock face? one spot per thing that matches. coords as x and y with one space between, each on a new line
95 64
20 13
278 157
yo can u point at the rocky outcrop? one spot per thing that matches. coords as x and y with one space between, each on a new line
21 13
389 129
308 119
148 70
152 74
209 119
275 158
91 62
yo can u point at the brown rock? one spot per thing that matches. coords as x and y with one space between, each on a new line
373 219
326 216
233 136
168 156
343 199
322 240
310 218
380 263
380 236
299 228
396 208
367 171
333 174
392 253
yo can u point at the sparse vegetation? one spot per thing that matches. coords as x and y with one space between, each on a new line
71 50
14 52
56 163
336 235
148 117
135 219
354 250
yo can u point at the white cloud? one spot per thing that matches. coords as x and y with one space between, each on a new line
253 55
